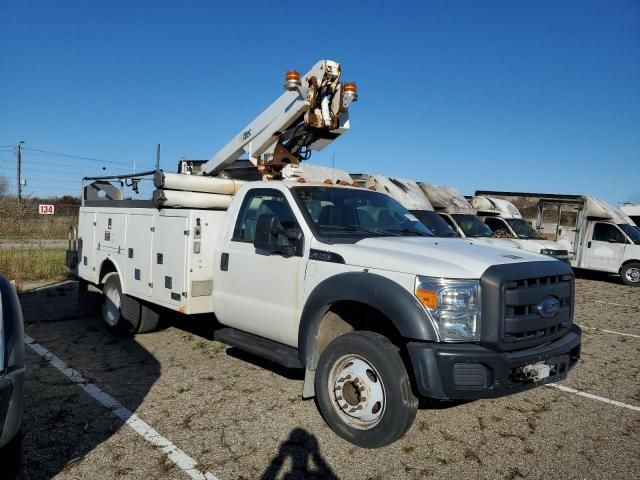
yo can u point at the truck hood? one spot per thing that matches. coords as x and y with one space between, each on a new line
535 245
436 257
500 242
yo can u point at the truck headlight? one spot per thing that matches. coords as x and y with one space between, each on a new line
454 306
547 251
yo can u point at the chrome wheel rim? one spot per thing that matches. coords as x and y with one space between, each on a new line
633 274
358 394
111 307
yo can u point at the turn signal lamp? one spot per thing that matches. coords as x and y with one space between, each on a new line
292 80
428 298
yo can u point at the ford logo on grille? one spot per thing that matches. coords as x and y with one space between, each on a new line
548 307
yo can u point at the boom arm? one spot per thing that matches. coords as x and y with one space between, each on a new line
312 113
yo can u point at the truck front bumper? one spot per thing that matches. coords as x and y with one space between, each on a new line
469 371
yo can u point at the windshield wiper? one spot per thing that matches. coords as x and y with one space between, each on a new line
400 232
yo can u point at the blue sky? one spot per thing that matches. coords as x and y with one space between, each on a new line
523 96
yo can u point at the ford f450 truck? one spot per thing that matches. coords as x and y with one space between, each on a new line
292 269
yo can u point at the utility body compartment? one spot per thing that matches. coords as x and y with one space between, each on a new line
162 256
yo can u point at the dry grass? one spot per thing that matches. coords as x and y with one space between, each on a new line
26 264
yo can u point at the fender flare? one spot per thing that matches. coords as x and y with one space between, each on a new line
403 309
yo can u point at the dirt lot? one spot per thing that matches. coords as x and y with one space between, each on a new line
240 418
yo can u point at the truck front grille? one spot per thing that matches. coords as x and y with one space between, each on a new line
522 321
510 298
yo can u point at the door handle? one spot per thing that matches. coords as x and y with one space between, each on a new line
224 262
589 244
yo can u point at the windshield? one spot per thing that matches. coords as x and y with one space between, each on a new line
341 215
632 232
471 225
435 223
523 228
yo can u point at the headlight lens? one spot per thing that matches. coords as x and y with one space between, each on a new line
454 306
547 251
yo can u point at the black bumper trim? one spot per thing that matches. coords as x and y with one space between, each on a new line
434 367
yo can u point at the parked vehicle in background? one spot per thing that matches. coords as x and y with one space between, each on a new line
409 194
596 234
11 379
451 205
500 215
633 211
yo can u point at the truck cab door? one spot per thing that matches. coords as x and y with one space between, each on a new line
605 247
256 291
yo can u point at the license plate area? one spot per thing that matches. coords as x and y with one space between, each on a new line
540 371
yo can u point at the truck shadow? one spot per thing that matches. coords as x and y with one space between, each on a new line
598 276
61 423
303 451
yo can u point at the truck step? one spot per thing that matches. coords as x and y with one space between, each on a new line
274 351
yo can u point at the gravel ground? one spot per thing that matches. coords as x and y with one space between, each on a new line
242 418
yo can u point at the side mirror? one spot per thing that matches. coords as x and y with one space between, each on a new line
268 229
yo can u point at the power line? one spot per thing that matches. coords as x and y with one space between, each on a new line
68 155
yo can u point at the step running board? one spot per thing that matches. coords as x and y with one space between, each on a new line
274 351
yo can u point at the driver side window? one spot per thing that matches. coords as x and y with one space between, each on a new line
605 232
262 201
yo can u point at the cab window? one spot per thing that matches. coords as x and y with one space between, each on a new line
262 201
605 232
496 224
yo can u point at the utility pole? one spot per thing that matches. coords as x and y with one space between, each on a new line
19 165
158 157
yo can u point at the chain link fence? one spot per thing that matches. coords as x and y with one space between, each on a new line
34 238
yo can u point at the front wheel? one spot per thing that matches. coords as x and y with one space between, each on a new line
363 390
630 274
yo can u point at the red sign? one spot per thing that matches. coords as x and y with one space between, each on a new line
46 209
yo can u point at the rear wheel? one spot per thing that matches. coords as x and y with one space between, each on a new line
121 313
363 389
149 319
630 274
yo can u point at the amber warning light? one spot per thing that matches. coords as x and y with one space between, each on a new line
292 80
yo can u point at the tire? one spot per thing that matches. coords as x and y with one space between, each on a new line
353 366
121 313
630 274
149 319
11 457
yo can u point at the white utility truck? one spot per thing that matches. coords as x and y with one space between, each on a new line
500 215
287 268
451 205
597 235
408 194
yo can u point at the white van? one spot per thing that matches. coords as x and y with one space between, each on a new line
409 194
451 205
598 235
502 216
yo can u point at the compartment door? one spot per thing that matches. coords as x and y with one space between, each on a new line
169 260
137 281
87 245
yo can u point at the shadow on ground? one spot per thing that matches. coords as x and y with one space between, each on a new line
61 423
300 455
